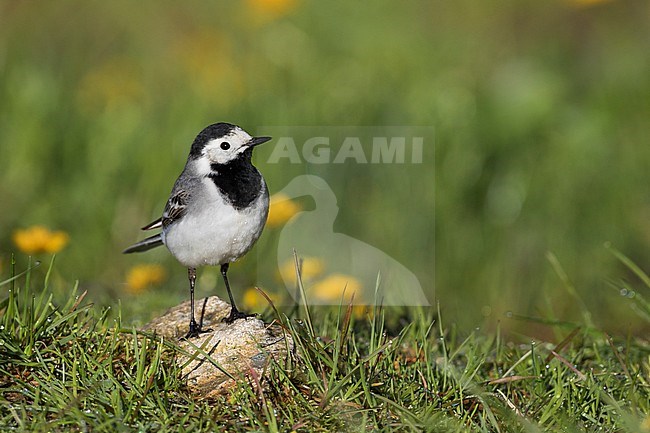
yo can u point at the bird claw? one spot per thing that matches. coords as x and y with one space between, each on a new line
195 330
236 314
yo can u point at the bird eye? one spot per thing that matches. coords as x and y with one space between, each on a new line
225 145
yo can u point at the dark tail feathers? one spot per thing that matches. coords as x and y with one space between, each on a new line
145 244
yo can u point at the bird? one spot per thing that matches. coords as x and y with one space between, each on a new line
216 211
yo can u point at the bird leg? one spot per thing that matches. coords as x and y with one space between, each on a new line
205 303
195 329
234 312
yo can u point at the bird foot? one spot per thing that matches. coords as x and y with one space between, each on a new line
195 330
236 314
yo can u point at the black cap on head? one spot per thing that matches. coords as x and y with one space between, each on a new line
210 132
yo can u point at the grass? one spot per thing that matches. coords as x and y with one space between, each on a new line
70 367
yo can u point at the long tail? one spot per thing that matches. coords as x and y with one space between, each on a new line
145 244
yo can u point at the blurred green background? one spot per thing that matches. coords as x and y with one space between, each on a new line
540 112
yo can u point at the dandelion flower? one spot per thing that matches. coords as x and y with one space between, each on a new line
141 277
311 268
253 300
39 239
336 288
281 209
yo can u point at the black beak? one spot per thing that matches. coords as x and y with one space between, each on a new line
257 141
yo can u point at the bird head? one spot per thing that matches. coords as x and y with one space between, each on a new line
221 143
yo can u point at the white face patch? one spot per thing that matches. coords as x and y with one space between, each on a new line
224 149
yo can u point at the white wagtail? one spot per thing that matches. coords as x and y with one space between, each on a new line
217 208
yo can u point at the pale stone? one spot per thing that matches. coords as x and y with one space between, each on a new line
242 348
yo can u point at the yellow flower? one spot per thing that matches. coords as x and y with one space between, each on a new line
268 10
336 288
311 268
253 300
141 277
39 239
281 209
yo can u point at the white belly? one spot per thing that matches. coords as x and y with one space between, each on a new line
219 234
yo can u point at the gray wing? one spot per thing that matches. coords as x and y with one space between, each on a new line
176 204
174 210
175 207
